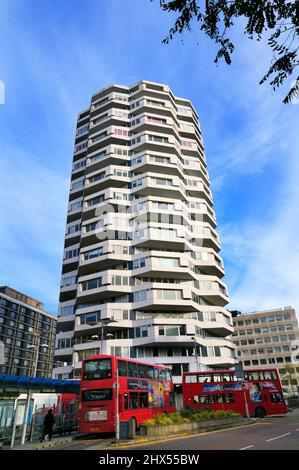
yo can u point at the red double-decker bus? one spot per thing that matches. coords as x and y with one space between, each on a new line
143 391
260 392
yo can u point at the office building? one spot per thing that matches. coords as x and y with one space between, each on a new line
269 338
27 335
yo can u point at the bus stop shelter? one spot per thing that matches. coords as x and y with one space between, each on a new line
12 386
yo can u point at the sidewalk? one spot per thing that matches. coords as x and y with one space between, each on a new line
56 441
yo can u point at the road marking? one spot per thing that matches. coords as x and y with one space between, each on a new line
247 447
297 429
278 437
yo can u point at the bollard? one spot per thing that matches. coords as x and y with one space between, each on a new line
131 429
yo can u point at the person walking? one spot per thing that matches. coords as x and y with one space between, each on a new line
49 421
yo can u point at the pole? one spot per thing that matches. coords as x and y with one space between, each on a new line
102 338
28 400
195 354
116 409
245 400
36 357
13 435
33 424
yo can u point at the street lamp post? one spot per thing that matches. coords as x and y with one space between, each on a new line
116 408
240 377
245 400
195 352
103 322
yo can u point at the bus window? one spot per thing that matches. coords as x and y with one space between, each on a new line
126 401
122 368
218 399
142 371
218 378
132 369
252 376
168 374
196 399
150 372
133 400
162 374
269 375
97 369
191 379
171 398
276 397
226 377
229 398
206 399
204 378
156 373
143 400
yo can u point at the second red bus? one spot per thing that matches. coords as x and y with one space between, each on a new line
260 390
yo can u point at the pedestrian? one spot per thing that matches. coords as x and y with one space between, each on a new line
48 425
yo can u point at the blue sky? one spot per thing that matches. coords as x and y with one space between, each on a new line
55 54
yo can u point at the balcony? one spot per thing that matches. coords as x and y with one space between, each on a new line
67 292
105 157
213 361
65 322
214 292
152 238
63 370
63 354
220 327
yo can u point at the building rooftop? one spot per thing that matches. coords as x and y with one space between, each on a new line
260 312
22 297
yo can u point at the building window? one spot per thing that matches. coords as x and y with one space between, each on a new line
92 317
165 294
72 253
93 253
68 281
91 284
75 206
172 330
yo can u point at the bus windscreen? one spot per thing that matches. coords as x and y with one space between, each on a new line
97 369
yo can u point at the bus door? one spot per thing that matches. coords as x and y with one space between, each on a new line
276 401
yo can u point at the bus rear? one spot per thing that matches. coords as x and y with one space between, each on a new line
97 398
264 392
144 390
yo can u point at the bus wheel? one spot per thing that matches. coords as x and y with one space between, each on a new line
260 412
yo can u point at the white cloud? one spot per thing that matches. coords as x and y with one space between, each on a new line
264 257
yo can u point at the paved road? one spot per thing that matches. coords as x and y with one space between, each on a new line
271 433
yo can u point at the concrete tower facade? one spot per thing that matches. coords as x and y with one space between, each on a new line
142 274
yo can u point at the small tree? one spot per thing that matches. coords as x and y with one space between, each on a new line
289 376
216 18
